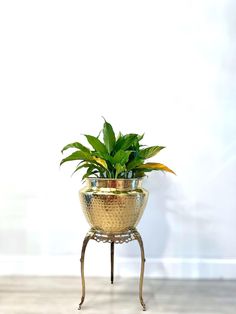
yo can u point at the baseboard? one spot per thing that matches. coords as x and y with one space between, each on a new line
177 268
181 268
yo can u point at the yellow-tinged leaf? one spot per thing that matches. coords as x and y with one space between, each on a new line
155 166
101 162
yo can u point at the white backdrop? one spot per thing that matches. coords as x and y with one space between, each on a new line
166 68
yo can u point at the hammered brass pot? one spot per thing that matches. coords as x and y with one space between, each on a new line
113 205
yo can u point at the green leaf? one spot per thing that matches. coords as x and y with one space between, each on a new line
138 173
108 136
78 155
140 137
99 133
119 168
119 136
80 166
125 141
96 143
150 166
91 170
150 151
121 157
134 163
104 156
76 145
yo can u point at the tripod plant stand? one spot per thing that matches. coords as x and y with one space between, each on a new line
113 238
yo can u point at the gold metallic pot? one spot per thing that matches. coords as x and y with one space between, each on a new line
113 205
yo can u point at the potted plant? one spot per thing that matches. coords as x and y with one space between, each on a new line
113 199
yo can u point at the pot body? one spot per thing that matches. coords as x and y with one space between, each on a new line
113 205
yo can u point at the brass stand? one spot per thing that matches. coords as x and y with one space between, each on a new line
113 239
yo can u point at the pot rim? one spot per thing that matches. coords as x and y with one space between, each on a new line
116 179
112 183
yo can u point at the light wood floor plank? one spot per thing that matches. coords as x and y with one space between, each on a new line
61 295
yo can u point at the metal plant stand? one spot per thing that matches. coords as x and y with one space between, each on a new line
113 239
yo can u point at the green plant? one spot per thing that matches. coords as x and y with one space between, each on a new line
116 157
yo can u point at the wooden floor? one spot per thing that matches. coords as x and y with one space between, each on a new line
61 295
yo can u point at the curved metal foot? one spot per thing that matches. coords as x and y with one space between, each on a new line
143 305
81 302
140 241
88 236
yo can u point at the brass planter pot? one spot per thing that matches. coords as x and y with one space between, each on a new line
113 205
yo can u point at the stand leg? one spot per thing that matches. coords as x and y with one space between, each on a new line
112 262
140 241
86 239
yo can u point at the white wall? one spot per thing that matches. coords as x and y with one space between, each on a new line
166 68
